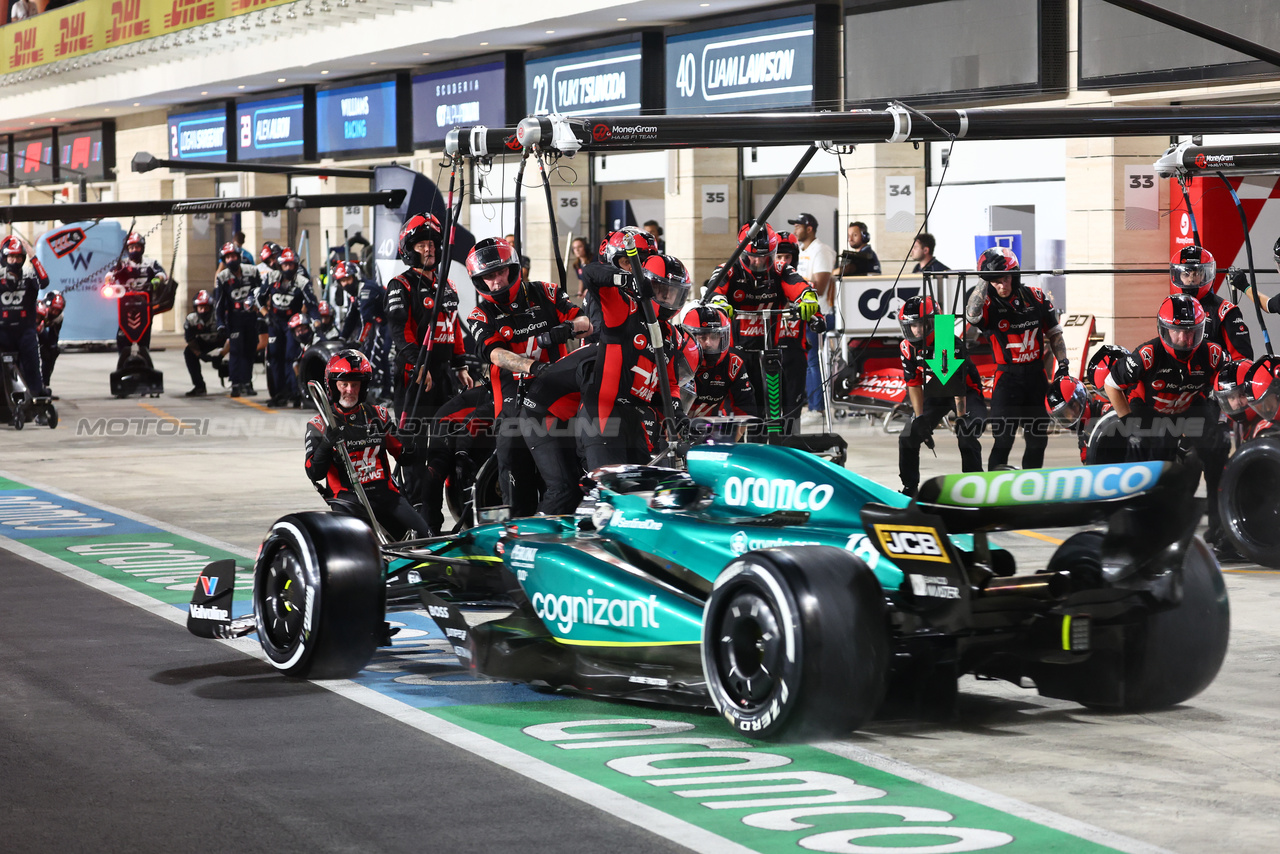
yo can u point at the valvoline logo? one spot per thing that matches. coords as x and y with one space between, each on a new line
65 241
209 585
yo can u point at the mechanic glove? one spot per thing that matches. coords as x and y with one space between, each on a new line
1239 279
556 335
808 305
536 369
721 302
1064 369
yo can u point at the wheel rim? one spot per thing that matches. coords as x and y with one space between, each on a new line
283 600
750 649
1257 505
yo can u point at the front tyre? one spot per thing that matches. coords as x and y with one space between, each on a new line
795 644
319 595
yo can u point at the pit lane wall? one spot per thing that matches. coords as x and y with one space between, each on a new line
93 25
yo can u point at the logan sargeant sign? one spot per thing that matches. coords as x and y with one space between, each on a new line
748 67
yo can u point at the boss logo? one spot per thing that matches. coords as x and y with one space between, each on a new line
917 542
437 611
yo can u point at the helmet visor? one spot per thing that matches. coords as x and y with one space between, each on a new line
915 327
1181 338
1192 276
1067 414
670 293
1234 401
712 340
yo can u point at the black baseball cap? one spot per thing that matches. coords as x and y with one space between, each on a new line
805 219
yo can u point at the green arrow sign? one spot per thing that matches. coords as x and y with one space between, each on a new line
944 362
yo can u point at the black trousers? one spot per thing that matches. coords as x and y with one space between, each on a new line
794 368
1017 401
243 327
517 470
193 358
968 433
555 453
629 436
396 515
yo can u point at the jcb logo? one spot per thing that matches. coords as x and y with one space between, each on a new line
917 542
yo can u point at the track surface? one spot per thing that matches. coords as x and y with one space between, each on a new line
122 731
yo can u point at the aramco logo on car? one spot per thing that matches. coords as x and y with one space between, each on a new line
777 493
1077 483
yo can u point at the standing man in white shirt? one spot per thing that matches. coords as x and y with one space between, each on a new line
817 259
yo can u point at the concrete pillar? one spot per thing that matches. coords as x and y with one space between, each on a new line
1124 306
688 173
197 254
865 198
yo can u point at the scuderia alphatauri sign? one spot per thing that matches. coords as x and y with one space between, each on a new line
768 65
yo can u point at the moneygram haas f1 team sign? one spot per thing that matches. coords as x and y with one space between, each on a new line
768 65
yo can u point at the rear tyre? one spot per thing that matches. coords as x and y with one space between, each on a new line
795 644
1249 502
318 595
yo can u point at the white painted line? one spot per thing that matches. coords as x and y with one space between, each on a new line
994 800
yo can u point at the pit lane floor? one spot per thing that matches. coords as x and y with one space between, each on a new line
1200 777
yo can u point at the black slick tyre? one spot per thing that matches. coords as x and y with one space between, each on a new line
794 643
1249 502
319 595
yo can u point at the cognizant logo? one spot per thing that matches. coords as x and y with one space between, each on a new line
568 611
777 493
1079 483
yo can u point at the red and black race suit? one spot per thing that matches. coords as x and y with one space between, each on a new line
367 430
722 389
547 305
1016 326
776 288
557 393
914 367
626 371
410 298
1163 384
1224 326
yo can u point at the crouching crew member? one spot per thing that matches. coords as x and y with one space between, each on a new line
49 333
369 436
1192 272
1170 379
206 342
717 381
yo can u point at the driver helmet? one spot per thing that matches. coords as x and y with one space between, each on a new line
326 314
788 249
1181 322
757 256
269 255
417 228
347 366
230 255
135 244
914 318
1264 386
288 264
995 261
613 250
1231 387
203 304
300 326
1192 271
14 254
1066 401
669 281
486 257
710 330
1101 363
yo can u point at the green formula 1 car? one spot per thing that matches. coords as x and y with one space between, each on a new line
789 594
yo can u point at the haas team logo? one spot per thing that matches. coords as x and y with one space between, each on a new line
601 132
